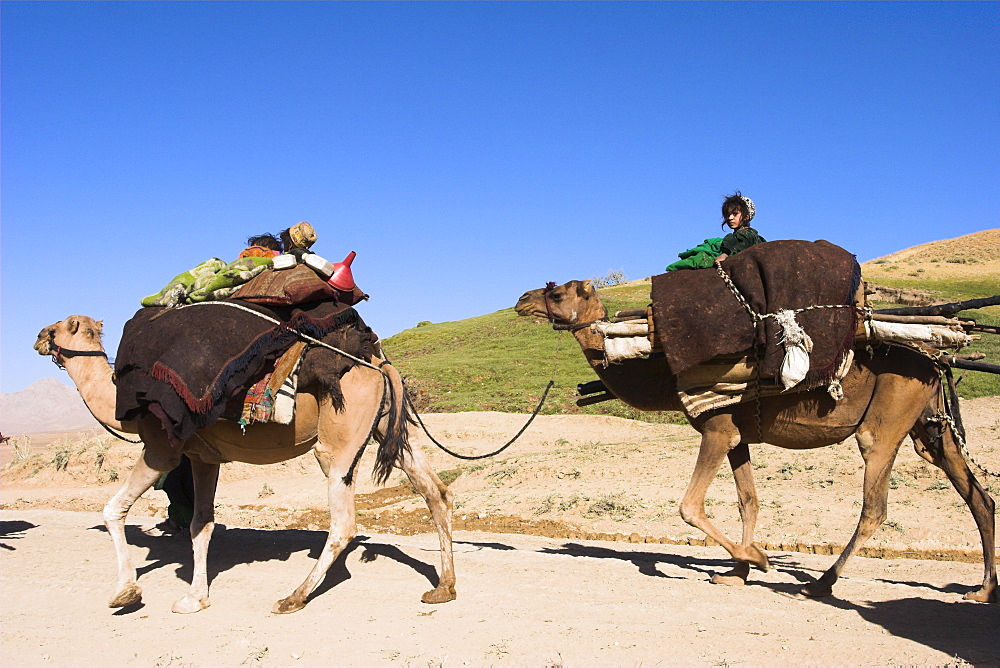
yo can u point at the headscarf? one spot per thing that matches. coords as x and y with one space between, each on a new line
751 210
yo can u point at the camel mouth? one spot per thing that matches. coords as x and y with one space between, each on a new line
525 307
43 344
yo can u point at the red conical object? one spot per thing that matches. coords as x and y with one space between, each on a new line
342 278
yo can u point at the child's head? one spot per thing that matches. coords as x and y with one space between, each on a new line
268 241
737 210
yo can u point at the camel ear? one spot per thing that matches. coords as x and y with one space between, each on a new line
100 326
585 288
72 324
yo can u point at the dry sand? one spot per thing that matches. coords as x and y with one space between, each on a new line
558 597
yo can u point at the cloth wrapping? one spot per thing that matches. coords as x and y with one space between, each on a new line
184 365
211 280
699 257
697 316
726 381
899 332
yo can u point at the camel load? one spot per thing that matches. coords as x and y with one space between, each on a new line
777 345
771 319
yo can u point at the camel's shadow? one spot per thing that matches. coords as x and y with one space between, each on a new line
13 530
234 546
961 629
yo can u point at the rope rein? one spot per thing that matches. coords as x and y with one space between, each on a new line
496 452
387 385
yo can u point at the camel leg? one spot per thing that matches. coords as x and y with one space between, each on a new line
718 437
341 436
944 453
206 479
879 453
147 469
746 492
439 501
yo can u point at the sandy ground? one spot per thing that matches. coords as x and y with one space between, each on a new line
568 551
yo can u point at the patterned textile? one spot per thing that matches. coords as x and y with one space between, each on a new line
298 285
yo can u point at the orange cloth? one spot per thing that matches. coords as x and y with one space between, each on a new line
258 251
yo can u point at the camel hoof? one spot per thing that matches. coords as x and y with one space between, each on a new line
753 556
130 595
982 596
190 604
817 589
440 594
734 578
287 605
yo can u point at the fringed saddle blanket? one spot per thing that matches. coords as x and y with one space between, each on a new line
698 317
184 365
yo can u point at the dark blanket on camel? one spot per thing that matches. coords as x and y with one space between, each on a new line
697 316
184 365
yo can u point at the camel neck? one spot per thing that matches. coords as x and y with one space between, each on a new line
94 379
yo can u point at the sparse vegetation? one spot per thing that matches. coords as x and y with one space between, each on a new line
613 277
21 445
616 506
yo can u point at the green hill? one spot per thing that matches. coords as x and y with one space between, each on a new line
502 362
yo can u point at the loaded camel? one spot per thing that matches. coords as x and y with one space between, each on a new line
887 394
336 438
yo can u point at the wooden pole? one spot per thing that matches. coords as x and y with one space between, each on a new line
942 309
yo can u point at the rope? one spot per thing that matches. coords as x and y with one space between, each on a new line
944 418
116 434
496 452
294 331
757 317
378 368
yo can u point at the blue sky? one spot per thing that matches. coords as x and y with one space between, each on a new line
471 151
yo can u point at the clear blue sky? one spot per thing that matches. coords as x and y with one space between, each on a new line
471 151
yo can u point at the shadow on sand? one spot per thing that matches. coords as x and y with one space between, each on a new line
234 546
13 530
961 629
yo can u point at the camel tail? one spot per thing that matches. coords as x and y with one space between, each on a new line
391 427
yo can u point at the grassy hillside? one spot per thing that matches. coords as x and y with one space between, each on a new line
502 362
951 270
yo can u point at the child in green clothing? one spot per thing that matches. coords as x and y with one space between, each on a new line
737 212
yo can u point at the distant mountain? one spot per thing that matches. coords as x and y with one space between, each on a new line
47 405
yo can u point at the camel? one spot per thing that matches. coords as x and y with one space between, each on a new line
335 437
888 393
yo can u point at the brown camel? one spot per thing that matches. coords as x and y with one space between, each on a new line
335 437
888 393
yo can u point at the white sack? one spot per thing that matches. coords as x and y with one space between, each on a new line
621 348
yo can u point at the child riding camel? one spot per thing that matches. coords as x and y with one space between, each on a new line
737 212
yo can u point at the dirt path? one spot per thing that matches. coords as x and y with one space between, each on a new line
522 601
559 598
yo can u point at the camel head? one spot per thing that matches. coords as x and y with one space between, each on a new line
567 304
75 333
